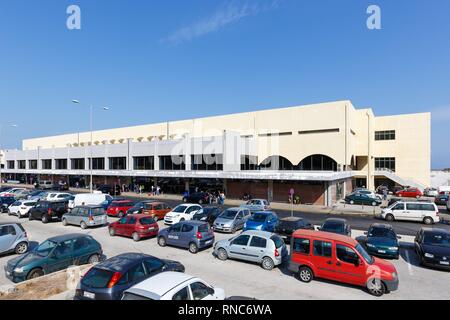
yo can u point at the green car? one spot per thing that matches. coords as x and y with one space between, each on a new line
361 198
54 254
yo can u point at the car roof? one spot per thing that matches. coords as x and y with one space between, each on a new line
139 215
340 220
122 261
293 219
435 230
259 233
8 223
161 283
325 236
194 222
65 237
381 225
266 213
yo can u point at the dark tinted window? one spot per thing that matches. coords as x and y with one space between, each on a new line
97 278
277 241
258 242
80 243
333 226
153 265
136 273
241 240
427 207
203 228
147 221
302 245
176 228
413 206
382 232
132 220
199 290
7 230
181 295
322 248
346 254
131 296
187 228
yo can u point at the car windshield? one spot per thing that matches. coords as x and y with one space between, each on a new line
97 212
45 248
97 278
364 254
333 227
437 239
203 228
132 296
289 223
180 209
382 233
147 221
259 217
228 214
116 204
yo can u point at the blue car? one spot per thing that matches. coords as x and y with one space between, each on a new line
193 235
264 221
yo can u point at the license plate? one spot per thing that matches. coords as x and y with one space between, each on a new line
89 295
381 251
445 263
208 242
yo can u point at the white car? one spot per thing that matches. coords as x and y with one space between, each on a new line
172 285
426 212
182 212
21 208
370 193
56 196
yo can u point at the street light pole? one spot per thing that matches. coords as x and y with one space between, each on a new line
1 128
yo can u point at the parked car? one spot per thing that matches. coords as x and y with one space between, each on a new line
256 205
47 211
432 246
13 238
37 195
54 254
193 235
197 197
110 278
20 208
57 196
12 192
44 185
21 194
157 210
173 286
232 220
409 193
368 192
85 217
286 227
264 221
139 207
419 211
119 208
136 226
317 254
336 225
381 241
5 202
91 199
441 199
262 247
431 192
111 190
60 187
182 212
207 214
362 199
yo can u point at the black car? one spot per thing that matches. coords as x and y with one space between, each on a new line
5 202
48 210
286 227
111 190
108 279
208 214
198 197
138 207
337 225
432 245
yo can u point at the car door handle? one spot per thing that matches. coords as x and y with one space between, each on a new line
329 262
338 264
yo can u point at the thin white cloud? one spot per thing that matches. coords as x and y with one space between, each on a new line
440 114
229 13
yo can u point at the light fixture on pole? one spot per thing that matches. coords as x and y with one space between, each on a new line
1 128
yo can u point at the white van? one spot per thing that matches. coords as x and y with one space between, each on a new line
90 199
426 212
57 196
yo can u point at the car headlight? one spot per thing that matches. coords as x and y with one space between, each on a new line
370 245
429 255
393 248
18 270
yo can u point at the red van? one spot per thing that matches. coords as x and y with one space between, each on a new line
339 258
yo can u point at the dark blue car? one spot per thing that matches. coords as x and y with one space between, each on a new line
193 235
263 221
381 241
5 202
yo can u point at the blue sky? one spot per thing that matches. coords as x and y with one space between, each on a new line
154 61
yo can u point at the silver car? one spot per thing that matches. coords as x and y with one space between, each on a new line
257 205
231 220
86 216
262 247
13 238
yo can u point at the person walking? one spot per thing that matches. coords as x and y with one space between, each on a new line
385 193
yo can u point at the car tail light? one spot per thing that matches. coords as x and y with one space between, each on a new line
114 279
277 254
49 211
199 235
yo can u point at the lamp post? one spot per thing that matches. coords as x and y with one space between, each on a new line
91 111
1 128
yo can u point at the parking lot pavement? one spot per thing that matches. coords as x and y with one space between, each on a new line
250 280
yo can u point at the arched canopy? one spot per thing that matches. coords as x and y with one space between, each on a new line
276 163
318 162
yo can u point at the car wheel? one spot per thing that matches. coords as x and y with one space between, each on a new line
112 232
162 241
94 259
83 225
64 222
390 217
136 237
193 248
121 214
222 254
305 274
44 219
21 248
267 263
35 273
352 202
376 287
428 221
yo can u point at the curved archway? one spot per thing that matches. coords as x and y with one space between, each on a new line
318 162
276 163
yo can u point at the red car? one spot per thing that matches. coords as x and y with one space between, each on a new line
409 193
118 208
136 226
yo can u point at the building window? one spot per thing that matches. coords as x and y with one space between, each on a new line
10 165
61 164
275 134
97 163
21 164
384 135
385 164
249 163
318 163
47 164
335 130
118 163
144 163
32 164
206 162
78 164
172 163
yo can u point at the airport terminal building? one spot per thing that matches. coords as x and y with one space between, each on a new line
322 151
